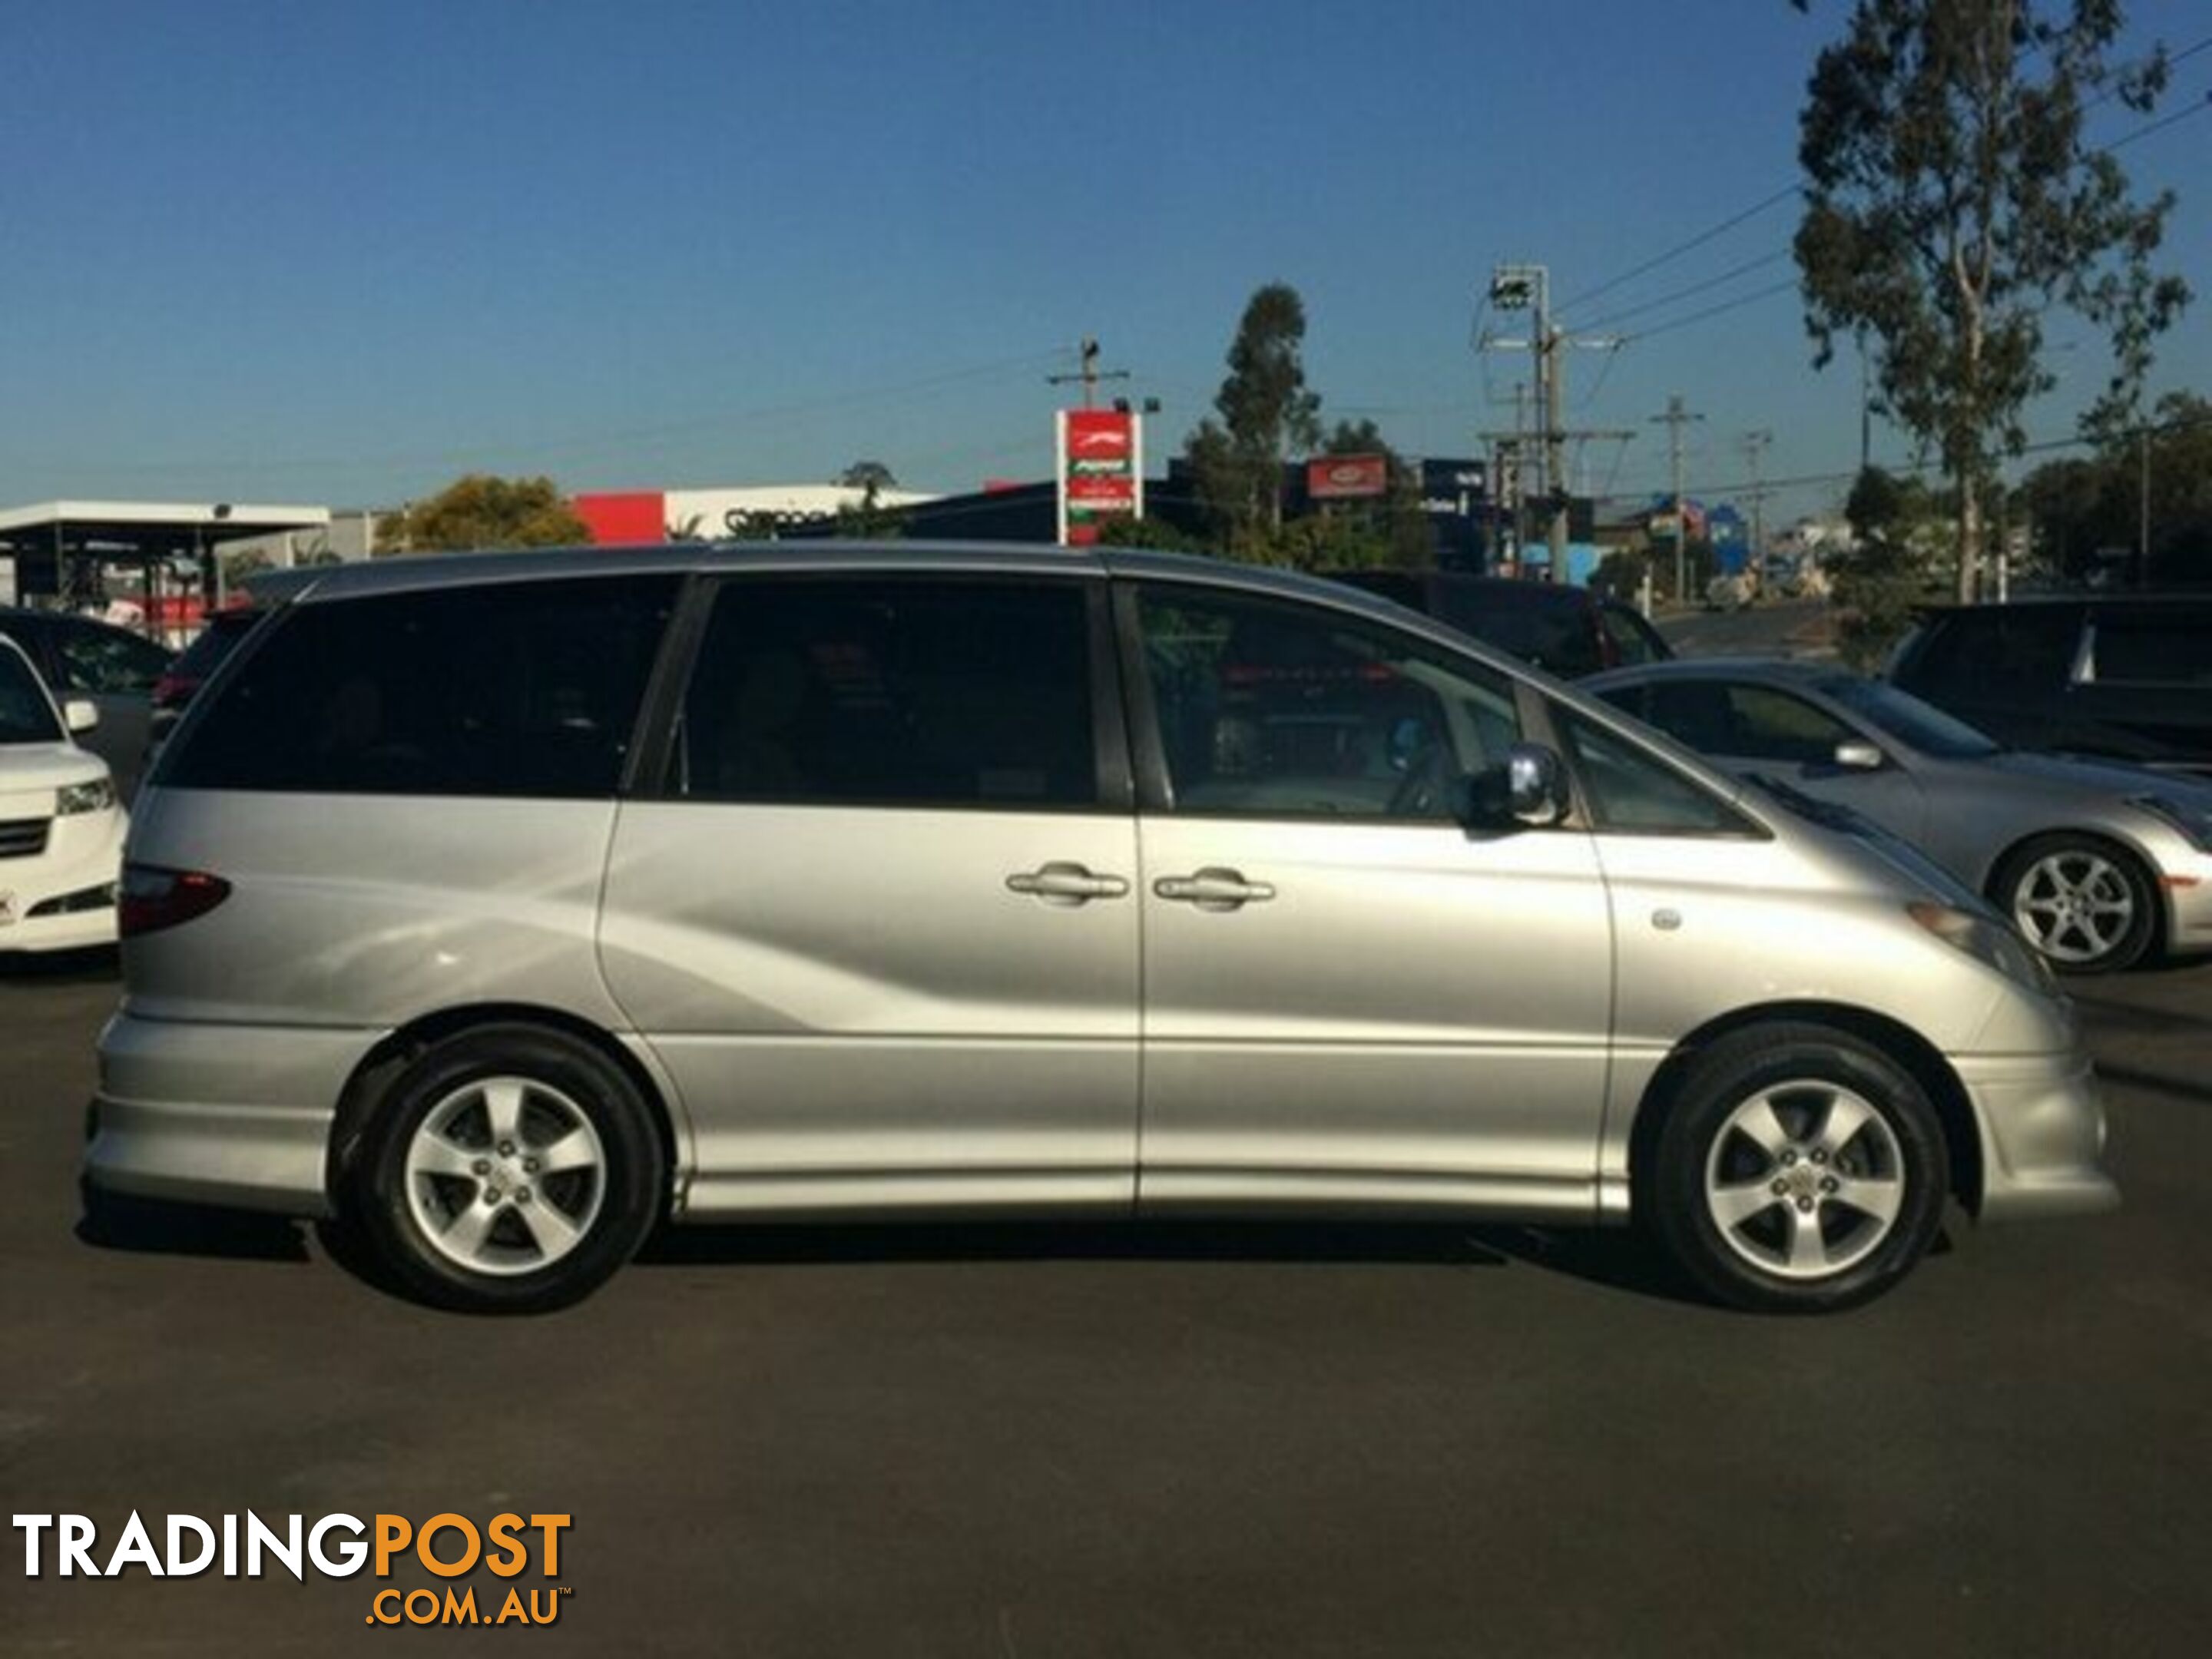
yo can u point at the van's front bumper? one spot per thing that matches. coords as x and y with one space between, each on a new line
2043 1135
215 1114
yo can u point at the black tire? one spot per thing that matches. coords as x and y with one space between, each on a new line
447 1203
2035 877
1730 1200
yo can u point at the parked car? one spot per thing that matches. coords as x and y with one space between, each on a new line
2100 864
112 667
180 682
504 907
1731 591
2124 675
1563 630
61 828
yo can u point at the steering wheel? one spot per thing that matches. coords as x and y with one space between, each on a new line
1419 792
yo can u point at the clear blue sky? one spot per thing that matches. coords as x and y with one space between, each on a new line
340 253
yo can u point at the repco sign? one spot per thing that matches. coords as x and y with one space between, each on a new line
1347 478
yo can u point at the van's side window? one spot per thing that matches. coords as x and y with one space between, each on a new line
508 688
1629 792
1269 710
892 691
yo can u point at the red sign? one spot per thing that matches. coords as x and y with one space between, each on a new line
1102 470
1347 478
622 517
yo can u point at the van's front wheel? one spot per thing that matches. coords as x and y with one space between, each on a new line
1800 1169
509 1169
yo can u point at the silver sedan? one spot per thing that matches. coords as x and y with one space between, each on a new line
2098 863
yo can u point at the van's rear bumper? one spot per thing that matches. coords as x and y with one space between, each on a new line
220 1113
2043 1135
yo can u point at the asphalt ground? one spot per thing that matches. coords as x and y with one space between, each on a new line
1776 628
1110 1440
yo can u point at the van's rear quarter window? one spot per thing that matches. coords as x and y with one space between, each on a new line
504 688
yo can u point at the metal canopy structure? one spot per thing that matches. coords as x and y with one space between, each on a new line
59 546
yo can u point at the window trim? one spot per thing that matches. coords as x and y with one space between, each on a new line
653 776
1560 722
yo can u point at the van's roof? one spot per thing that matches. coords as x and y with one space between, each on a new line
410 572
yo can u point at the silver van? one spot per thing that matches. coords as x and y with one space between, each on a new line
502 906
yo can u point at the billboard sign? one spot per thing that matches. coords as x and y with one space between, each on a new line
1100 471
1347 478
1460 486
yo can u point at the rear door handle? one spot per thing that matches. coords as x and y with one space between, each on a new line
1214 888
1064 883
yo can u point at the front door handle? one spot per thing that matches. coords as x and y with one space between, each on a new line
1214 888
1064 883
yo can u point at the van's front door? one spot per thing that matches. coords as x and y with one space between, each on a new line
880 926
1351 1000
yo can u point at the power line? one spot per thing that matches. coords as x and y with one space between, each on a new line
2113 89
1728 275
356 461
1919 468
2161 124
1680 249
1766 202
1725 306
1604 373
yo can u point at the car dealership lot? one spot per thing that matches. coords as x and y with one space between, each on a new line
1105 1440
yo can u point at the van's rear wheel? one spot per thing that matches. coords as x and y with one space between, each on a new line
1800 1169
508 1169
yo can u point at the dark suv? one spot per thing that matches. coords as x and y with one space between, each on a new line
2127 676
1565 631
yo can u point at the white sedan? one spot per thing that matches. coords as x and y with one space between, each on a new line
61 827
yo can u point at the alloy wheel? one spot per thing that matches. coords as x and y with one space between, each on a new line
505 1175
2075 905
1805 1180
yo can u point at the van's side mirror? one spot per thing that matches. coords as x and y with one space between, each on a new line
1857 754
80 715
1535 785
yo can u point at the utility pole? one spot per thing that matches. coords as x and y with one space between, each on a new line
1754 443
1866 412
1676 418
1529 288
2142 507
1555 453
1089 374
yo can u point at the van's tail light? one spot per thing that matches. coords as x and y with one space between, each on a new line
154 898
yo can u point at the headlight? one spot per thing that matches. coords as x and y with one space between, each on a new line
1988 941
2190 820
95 797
